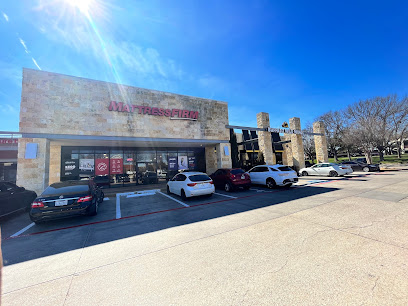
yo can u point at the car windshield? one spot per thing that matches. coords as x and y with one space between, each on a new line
66 188
237 171
199 178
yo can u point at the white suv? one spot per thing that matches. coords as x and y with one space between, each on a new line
273 175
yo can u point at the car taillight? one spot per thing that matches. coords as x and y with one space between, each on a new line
37 204
84 199
212 182
191 184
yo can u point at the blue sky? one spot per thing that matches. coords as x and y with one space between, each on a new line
288 58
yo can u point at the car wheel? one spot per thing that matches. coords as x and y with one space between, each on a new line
93 210
305 173
270 183
333 173
168 190
209 195
288 185
366 169
227 187
183 195
101 198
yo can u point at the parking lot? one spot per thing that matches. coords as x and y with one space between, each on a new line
344 239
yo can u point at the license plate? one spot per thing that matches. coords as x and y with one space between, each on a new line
242 177
61 202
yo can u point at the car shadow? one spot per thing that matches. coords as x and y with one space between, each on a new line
53 242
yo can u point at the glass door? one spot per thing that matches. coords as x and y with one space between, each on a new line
116 168
129 169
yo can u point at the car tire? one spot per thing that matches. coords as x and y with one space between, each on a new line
288 185
209 195
270 183
366 169
183 195
101 198
333 173
168 189
305 173
227 187
93 210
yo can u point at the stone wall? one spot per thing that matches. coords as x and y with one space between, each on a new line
61 104
33 174
55 163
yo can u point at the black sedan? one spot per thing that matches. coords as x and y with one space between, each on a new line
14 198
356 166
65 199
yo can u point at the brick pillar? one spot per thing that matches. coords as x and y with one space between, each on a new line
297 144
210 159
55 163
264 139
33 174
320 142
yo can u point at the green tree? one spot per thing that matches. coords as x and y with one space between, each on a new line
234 149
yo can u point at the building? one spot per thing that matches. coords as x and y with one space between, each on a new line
74 127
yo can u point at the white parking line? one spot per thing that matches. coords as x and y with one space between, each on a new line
184 204
106 199
23 230
118 213
258 190
224 195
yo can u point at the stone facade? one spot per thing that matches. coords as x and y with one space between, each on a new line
287 156
78 106
33 174
55 163
297 144
264 139
58 104
216 159
320 142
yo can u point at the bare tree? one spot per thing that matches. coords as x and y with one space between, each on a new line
308 142
334 123
399 122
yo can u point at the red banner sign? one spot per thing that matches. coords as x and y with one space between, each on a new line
116 166
8 141
101 166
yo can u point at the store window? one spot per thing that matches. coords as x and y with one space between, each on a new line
86 164
116 167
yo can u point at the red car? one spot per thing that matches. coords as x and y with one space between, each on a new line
230 179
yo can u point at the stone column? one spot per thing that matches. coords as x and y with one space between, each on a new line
55 163
264 139
287 157
33 174
297 144
215 157
322 155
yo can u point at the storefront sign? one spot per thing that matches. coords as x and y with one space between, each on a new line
284 131
116 166
172 163
101 166
8 141
191 163
71 168
154 111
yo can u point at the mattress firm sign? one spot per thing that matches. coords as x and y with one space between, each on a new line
153 111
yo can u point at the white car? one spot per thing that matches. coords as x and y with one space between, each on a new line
273 175
191 184
326 169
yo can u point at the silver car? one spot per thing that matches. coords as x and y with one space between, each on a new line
326 169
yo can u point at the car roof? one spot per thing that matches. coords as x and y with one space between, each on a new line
69 183
192 173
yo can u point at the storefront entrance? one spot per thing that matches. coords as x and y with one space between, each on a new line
119 167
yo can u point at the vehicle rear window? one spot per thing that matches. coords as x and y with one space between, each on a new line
237 171
65 188
199 178
285 168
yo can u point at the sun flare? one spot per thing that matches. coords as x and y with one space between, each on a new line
82 5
